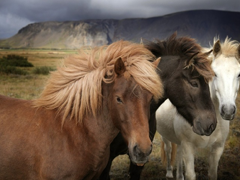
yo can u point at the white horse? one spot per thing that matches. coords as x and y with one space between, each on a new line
173 128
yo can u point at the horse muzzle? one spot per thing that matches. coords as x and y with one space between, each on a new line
201 128
139 156
228 112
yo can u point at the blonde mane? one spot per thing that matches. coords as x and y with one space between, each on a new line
75 89
228 47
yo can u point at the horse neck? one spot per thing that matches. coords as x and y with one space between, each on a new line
155 105
167 65
99 132
102 125
99 129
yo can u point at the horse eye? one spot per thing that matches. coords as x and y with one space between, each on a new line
119 100
239 76
194 84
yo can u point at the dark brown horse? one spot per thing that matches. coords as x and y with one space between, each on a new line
66 133
185 72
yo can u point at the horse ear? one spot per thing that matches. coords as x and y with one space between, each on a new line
119 66
173 36
208 53
216 48
191 60
156 62
238 52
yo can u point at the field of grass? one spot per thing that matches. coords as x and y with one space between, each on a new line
31 85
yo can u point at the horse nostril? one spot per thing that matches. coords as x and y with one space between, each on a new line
228 109
137 151
150 150
135 148
223 109
200 129
234 109
211 128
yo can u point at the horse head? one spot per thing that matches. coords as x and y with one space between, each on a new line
193 100
185 72
129 105
225 84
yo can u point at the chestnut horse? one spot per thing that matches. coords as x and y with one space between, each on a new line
184 71
66 133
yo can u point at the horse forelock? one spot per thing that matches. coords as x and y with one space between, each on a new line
203 67
185 47
75 89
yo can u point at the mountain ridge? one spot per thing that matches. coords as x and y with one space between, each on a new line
203 25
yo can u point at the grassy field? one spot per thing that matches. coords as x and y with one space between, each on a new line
31 85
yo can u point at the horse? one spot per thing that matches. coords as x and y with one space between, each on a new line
184 71
67 131
174 129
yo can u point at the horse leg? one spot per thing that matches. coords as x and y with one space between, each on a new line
188 158
215 155
166 152
179 163
135 171
105 173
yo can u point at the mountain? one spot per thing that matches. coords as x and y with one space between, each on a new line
202 25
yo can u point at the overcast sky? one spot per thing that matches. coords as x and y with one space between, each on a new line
15 14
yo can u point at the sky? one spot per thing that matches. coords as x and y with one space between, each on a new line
16 14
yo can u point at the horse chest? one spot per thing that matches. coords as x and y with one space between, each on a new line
72 165
221 132
218 136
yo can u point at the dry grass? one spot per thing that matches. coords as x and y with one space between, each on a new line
40 57
30 86
23 87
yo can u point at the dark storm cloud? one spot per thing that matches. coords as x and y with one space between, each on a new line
46 10
15 14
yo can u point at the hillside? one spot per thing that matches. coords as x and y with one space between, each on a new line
200 24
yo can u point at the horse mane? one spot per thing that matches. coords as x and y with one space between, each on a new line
228 46
184 47
75 89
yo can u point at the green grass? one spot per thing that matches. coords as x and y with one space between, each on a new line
15 60
45 70
10 64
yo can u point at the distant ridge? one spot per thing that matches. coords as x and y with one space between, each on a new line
202 25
